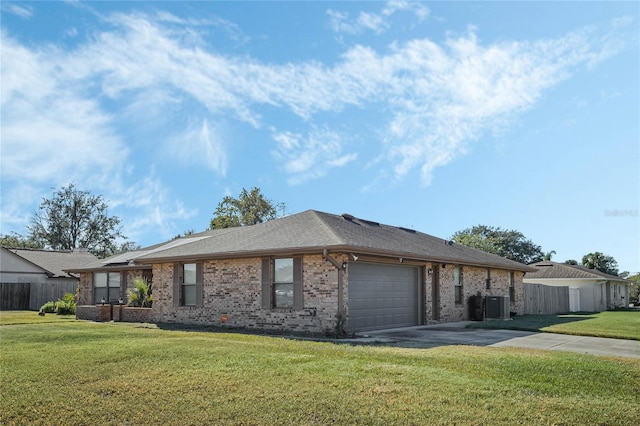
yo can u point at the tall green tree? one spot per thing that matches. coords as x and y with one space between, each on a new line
73 218
634 288
250 208
185 234
510 244
15 240
601 262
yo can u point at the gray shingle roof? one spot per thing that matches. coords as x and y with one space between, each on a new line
56 262
313 231
554 270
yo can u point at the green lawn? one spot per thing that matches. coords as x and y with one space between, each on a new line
78 372
31 317
622 324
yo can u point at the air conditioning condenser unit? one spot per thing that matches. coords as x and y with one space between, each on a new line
497 307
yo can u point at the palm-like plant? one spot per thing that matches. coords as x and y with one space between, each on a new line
140 296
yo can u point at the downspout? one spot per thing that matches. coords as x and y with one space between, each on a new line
325 255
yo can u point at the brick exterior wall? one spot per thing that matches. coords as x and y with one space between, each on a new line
473 281
84 295
232 295
85 287
232 290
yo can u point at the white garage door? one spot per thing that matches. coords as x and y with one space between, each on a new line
382 296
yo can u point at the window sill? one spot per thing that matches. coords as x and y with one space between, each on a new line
283 310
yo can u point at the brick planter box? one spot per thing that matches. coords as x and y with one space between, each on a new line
130 314
104 313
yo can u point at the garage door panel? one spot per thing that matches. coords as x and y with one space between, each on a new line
382 296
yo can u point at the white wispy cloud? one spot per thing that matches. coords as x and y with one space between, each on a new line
150 207
342 23
22 11
310 156
54 131
50 126
200 145
417 8
436 100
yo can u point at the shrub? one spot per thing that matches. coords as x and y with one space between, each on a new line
48 308
140 296
66 305
340 327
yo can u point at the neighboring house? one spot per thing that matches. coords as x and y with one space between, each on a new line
298 273
589 289
42 272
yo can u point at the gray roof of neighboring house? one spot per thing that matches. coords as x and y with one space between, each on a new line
313 231
55 262
127 260
554 270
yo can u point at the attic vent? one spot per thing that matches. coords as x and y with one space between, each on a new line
448 242
411 231
369 222
348 217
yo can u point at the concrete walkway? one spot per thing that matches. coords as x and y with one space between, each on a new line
456 334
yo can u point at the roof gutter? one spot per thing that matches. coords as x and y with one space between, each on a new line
108 268
340 248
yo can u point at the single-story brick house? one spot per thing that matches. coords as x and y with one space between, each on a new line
297 273
589 289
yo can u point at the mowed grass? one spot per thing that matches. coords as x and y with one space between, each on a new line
31 317
81 373
621 324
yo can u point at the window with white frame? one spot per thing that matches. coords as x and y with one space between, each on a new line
188 287
457 283
106 287
188 284
283 283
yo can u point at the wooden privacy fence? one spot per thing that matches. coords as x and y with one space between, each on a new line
14 296
43 293
542 299
23 296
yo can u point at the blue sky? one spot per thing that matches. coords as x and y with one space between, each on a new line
435 116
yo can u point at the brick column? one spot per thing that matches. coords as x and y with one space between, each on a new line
105 312
117 312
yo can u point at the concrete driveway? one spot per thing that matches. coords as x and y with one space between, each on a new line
456 334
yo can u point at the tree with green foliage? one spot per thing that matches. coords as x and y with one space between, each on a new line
126 247
15 240
509 244
601 262
75 219
185 234
571 262
141 295
249 208
634 288
548 255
